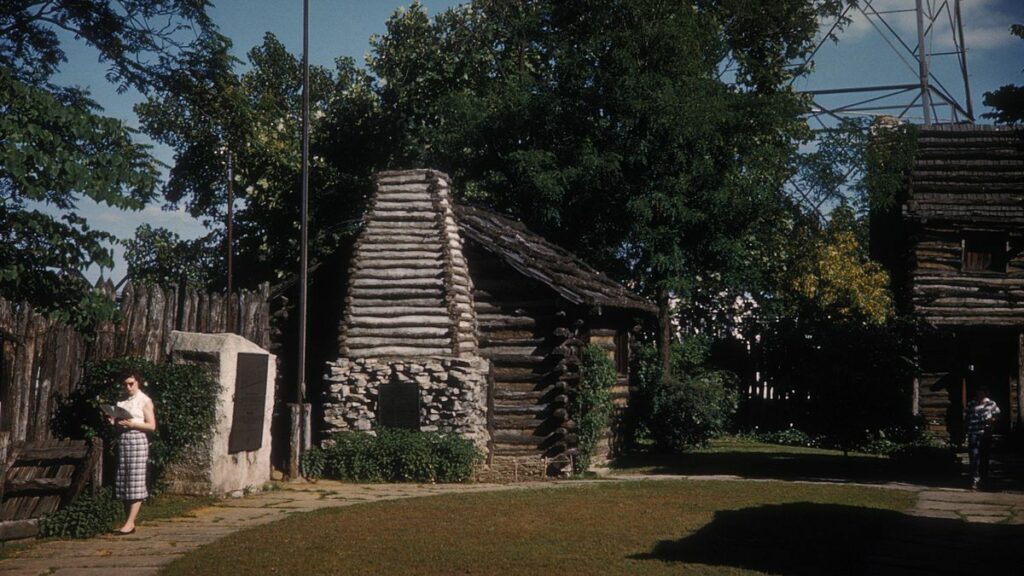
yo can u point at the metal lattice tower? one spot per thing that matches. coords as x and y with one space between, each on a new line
932 66
926 79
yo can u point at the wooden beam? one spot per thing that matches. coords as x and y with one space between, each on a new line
36 485
19 529
76 451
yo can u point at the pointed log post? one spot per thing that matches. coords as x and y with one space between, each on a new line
296 437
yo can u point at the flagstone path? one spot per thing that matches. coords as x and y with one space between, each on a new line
955 532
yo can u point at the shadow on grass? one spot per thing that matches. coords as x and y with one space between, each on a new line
787 465
805 539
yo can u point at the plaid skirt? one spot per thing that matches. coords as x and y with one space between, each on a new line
132 456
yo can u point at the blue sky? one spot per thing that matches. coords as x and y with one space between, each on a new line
343 28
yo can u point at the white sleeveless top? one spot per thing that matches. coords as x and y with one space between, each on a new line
135 405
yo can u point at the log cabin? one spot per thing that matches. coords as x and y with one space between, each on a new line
956 259
462 320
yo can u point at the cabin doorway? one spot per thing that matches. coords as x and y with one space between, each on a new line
991 361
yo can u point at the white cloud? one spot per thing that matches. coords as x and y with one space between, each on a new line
992 37
985 22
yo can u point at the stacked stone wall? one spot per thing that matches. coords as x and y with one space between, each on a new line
453 394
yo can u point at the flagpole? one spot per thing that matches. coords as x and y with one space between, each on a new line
300 411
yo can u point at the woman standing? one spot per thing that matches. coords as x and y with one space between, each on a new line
133 450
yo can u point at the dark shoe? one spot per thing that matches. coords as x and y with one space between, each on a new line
120 533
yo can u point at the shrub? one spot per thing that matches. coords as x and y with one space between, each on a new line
454 458
789 437
85 517
695 405
591 404
405 455
392 455
686 414
185 397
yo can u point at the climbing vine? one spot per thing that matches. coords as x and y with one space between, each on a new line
184 395
888 157
591 405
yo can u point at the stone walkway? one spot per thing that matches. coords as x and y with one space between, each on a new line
942 535
955 532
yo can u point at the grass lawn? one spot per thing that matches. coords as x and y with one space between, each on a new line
655 527
171 506
751 459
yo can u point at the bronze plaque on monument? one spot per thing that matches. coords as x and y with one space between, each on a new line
398 405
250 402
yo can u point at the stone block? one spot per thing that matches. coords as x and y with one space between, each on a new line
246 373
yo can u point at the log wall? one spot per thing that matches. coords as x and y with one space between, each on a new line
966 185
939 385
966 181
952 362
532 340
42 360
943 293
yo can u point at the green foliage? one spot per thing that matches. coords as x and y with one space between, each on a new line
1007 101
393 455
57 149
210 108
84 517
694 406
893 441
591 404
160 256
789 437
51 152
606 126
888 158
184 396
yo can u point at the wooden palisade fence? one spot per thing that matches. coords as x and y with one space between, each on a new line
42 360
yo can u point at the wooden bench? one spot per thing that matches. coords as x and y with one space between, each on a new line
41 477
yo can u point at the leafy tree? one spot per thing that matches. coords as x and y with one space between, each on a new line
1008 101
208 109
56 148
834 277
609 127
832 343
160 256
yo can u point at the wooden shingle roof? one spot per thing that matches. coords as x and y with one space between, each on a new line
536 258
968 173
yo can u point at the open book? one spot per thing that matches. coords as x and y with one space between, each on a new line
115 412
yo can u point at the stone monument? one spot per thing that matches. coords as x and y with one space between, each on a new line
236 458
